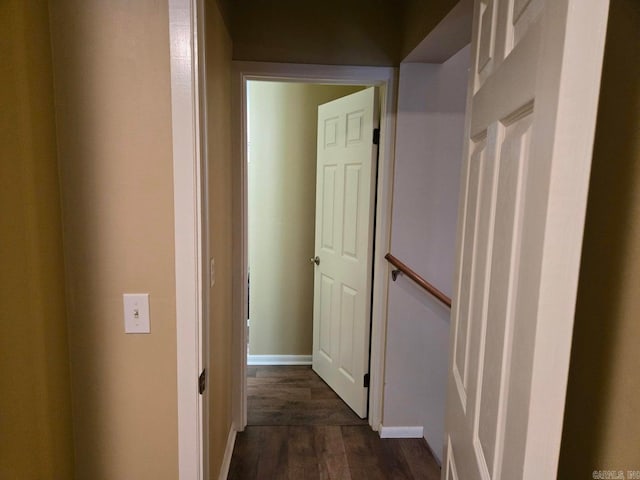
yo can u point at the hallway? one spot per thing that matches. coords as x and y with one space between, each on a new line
300 429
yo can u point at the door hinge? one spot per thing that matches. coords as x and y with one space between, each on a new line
366 380
202 381
376 136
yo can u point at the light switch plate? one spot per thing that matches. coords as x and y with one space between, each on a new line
136 313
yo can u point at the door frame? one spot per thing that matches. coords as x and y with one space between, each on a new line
385 78
189 140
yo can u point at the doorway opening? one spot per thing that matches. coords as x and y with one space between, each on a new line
343 80
311 173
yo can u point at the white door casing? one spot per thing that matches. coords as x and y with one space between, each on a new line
345 192
384 78
531 109
189 179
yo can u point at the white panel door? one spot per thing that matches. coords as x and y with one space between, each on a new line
532 101
345 189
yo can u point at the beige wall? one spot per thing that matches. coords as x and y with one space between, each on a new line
335 32
602 420
419 18
218 51
283 120
357 32
112 85
35 403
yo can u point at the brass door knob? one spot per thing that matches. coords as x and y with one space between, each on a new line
315 260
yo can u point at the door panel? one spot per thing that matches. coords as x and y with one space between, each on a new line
348 304
328 196
532 94
344 243
326 313
351 221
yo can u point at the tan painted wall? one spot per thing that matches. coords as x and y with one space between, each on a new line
335 32
218 51
602 420
112 85
419 18
354 32
283 120
35 400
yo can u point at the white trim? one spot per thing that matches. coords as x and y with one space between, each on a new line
401 432
279 359
183 34
205 254
228 453
383 77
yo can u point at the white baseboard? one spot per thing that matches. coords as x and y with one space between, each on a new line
401 432
228 453
279 359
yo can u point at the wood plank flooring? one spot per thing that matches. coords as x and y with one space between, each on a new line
299 429
294 395
352 452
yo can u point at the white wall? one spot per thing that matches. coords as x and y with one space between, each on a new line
429 141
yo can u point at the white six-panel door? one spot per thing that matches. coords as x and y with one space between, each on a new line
345 189
532 101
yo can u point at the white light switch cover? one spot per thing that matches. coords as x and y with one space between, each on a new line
136 313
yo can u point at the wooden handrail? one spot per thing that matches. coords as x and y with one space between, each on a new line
409 272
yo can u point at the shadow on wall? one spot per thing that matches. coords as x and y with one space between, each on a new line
602 424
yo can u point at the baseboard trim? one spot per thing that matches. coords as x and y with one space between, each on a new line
228 453
401 432
279 359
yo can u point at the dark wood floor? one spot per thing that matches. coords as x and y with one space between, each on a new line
328 453
294 395
299 429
